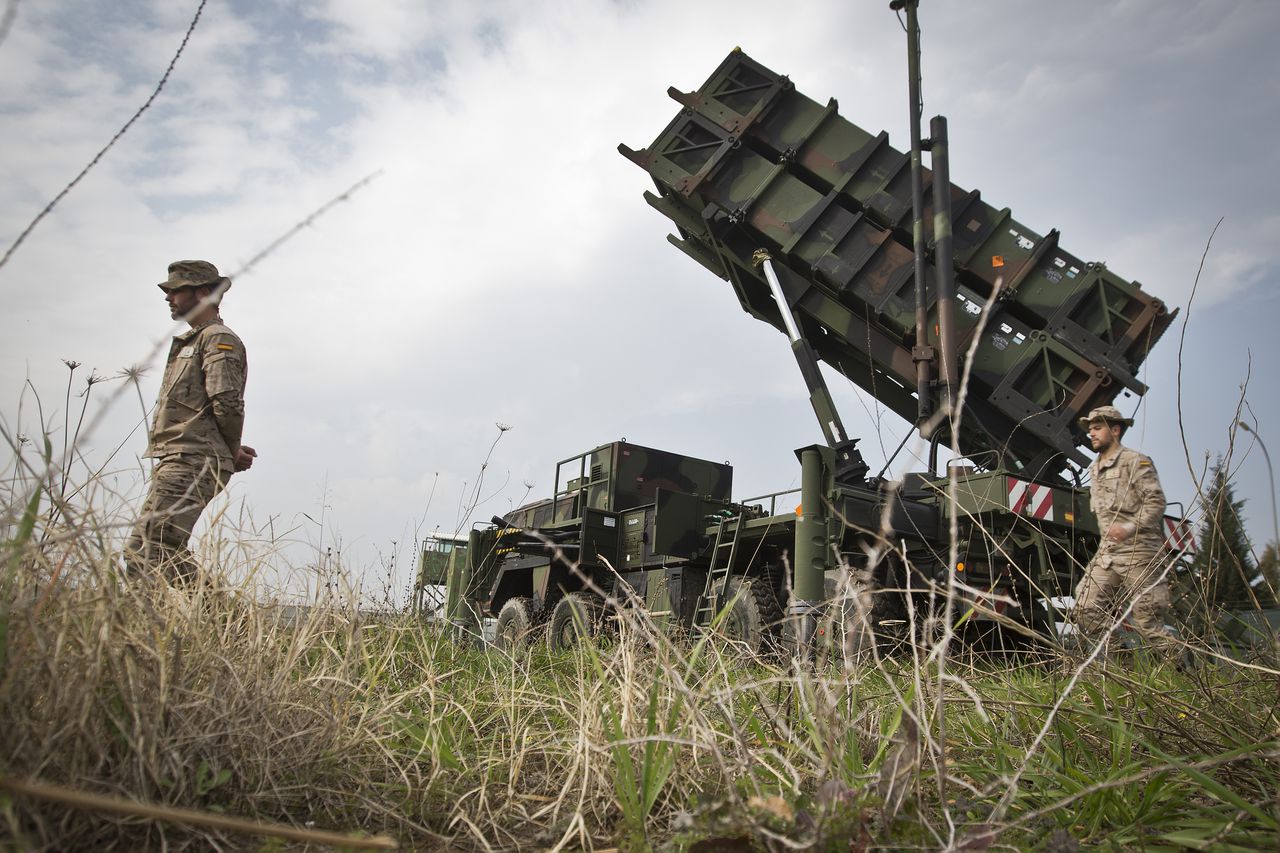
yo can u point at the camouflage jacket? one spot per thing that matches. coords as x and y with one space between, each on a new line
1125 490
201 406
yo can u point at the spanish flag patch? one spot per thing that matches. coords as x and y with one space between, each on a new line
224 347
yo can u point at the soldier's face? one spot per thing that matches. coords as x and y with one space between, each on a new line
1102 435
181 301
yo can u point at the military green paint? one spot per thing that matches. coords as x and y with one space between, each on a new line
434 559
941 225
811 549
751 163
636 526
458 588
541 575
678 524
621 476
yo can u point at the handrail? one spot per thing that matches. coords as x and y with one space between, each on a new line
772 497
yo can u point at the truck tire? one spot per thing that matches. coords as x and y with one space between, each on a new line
853 619
866 618
1035 636
515 625
1040 621
753 622
576 615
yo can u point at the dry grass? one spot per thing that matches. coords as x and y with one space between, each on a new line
207 699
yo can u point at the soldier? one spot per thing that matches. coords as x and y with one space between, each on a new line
195 436
1129 504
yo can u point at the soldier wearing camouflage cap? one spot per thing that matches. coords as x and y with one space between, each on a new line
1126 498
199 417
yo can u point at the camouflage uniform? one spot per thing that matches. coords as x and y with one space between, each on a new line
1125 490
198 423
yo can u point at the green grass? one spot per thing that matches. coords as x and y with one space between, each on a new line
209 700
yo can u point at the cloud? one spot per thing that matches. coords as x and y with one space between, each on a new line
504 266
392 30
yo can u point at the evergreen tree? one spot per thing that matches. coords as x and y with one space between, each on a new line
1223 565
1269 568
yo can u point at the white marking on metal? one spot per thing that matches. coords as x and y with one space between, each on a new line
1031 499
1042 503
1178 535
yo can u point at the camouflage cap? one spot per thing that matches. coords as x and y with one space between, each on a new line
1106 414
193 274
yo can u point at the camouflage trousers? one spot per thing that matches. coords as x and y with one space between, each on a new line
181 487
1116 579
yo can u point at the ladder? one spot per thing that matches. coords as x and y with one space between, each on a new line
728 534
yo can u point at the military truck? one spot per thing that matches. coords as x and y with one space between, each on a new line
822 231
438 555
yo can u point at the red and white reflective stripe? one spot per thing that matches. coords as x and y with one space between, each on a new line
999 605
1178 534
1030 499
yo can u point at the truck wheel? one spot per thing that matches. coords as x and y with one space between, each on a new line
868 618
577 615
1035 635
753 621
853 618
1041 620
515 624
836 616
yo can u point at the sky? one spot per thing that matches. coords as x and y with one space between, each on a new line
503 268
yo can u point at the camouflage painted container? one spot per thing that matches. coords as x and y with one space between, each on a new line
752 104
620 476
751 164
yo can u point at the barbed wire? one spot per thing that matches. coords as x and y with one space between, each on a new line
121 132
6 22
132 374
315 214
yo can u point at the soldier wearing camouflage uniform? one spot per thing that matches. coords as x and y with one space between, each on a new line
199 417
1126 498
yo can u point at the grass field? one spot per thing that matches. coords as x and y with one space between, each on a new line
205 705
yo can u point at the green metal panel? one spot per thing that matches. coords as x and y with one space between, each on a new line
601 537
747 100
644 470
750 163
621 476
988 493
976 494
658 597
541 574
635 545
679 525
434 561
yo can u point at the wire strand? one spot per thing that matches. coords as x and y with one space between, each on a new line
121 132
6 23
315 214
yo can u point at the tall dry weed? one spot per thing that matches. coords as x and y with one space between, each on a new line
211 698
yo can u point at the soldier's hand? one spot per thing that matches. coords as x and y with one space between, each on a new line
1121 531
244 457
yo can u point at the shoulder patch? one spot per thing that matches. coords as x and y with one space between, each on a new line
225 347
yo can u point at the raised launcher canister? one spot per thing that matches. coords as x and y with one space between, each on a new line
749 163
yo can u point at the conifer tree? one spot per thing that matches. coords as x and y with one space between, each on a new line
1223 565
1269 568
